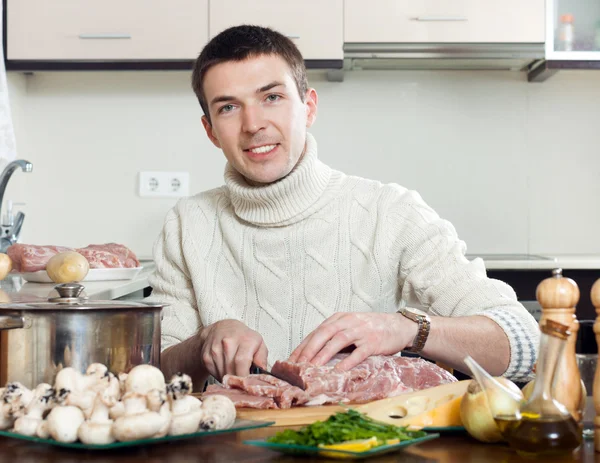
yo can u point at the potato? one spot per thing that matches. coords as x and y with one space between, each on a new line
5 265
67 267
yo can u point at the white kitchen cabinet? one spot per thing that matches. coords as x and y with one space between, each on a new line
72 30
316 26
443 21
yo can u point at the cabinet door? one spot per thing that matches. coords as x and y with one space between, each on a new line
106 29
316 26
443 21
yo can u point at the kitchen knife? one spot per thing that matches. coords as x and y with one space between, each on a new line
256 370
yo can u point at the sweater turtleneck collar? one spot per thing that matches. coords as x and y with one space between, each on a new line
286 201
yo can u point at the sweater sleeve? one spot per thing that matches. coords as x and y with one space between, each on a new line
171 284
435 272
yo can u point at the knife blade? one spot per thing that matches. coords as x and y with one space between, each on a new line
256 370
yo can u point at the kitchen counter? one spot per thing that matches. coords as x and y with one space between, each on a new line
539 261
449 448
15 289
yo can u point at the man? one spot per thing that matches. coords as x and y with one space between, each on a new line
292 259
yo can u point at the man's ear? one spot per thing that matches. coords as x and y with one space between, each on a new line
210 132
311 101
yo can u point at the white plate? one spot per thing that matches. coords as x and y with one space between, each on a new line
95 274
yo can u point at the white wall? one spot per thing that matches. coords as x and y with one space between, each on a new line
515 166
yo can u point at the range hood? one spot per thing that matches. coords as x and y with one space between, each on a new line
451 56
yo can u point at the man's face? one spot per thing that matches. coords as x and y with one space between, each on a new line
257 116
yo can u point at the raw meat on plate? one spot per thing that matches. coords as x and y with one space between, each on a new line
32 258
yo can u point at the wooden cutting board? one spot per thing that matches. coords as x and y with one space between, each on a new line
295 416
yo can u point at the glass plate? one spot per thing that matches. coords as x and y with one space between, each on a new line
239 425
444 429
345 454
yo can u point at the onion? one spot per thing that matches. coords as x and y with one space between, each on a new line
477 416
5 265
67 267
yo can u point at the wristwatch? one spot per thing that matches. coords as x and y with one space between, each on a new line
424 322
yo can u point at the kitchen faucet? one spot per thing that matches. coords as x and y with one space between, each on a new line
11 235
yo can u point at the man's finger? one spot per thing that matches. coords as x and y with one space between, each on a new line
213 360
318 340
243 359
333 346
357 356
261 356
297 352
230 349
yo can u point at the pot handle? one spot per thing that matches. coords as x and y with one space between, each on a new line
9 322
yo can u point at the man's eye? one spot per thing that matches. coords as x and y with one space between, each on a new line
273 97
226 108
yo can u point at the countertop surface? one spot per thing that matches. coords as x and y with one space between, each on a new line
539 261
15 289
448 448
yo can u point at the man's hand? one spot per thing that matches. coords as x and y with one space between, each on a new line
230 347
371 333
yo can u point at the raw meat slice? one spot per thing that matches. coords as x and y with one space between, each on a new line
240 398
375 378
30 257
284 394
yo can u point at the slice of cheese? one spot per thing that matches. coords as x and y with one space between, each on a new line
435 407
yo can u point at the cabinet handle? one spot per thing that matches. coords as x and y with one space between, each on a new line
440 18
293 37
104 36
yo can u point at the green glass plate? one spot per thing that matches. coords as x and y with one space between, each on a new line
291 449
239 425
443 429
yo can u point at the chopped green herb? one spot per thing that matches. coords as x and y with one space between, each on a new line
341 427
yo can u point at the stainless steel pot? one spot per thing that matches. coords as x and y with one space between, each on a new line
40 338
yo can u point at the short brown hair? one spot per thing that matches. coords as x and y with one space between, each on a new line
242 42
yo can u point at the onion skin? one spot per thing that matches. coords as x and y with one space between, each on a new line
67 267
477 417
5 265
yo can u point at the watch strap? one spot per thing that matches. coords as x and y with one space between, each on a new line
422 331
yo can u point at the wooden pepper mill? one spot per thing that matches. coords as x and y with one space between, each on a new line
558 297
595 294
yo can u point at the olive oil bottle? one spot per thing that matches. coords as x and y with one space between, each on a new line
543 426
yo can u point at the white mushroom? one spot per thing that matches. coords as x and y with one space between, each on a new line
97 380
69 379
144 378
15 399
139 422
218 413
43 400
98 428
42 430
6 417
62 423
122 381
185 409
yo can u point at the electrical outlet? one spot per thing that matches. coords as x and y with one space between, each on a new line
164 184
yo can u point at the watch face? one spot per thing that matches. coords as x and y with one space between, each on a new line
415 311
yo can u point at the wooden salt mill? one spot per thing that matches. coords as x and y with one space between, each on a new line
558 297
595 294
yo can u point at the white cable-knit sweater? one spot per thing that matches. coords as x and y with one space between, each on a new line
283 257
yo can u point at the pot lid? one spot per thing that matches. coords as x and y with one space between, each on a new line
70 298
